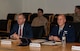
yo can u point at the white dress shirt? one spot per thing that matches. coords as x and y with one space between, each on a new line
21 30
60 29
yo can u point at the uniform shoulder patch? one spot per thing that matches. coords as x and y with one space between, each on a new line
70 26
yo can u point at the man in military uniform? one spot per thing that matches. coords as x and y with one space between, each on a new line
76 15
40 20
57 31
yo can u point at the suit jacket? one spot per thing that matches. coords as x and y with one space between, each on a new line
70 36
27 30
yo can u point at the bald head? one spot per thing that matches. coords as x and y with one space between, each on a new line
61 20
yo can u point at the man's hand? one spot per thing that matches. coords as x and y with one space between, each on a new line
15 36
51 38
54 38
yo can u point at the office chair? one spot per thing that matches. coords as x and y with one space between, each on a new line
11 16
38 32
5 26
32 17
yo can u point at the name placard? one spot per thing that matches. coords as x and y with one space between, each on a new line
35 45
6 42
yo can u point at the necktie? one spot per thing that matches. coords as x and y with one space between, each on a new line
20 31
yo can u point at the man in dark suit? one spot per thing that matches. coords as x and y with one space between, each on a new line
21 28
57 31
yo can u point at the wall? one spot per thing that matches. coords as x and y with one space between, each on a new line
49 6
9 6
52 6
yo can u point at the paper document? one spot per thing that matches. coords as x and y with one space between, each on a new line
75 47
38 41
5 41
51 43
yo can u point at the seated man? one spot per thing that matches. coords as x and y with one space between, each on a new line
57 31
21 28
40 20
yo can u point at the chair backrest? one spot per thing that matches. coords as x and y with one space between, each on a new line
77 30
11 16
3 25
38 32
48 16
9 26
55 19
12 24
27 15
32 17
69 18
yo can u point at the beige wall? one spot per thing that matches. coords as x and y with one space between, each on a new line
9 6
53 6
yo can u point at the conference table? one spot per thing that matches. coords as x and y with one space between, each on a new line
14 47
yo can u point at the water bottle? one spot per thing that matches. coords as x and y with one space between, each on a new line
64 38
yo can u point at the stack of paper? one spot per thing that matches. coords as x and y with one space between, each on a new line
58 43
38 41
75 47
35 45
6 41
48 43
45 42
51 43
